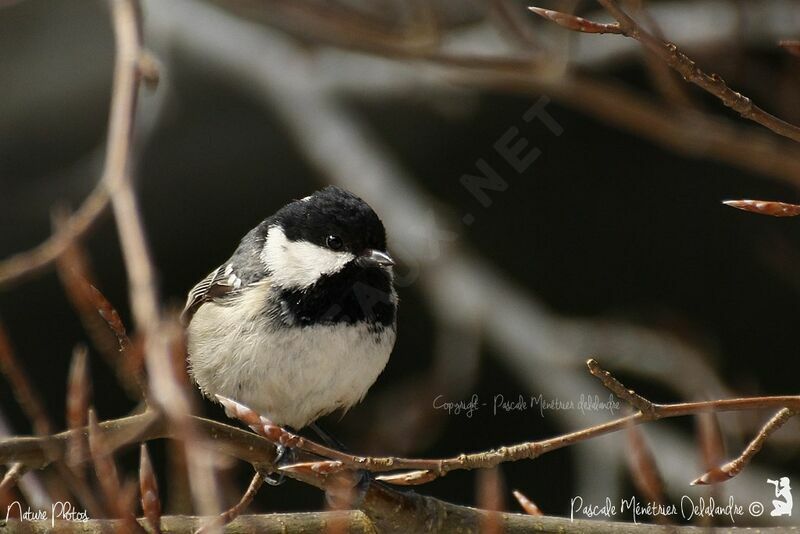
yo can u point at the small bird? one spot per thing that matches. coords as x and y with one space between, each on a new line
300 321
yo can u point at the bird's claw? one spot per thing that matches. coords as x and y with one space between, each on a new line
284 456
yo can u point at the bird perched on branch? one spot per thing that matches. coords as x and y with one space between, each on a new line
301 320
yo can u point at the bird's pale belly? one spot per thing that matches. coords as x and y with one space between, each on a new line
292 376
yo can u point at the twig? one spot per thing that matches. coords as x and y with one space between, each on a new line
663 78
684 131
341 493
624 394
345 25
709 436
104 466
78 393
509 18
236 510
378 500
735 466
164 387
687 68
148 489
100 319
490 493
425 470
26 264
12 476
528 505
765 207
575 23
24 392
34 410
119 499
644 469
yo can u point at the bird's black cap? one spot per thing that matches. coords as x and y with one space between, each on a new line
333 211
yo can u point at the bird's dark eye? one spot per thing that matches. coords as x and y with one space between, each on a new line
334 242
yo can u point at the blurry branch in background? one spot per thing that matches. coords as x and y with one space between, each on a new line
148 491
793 47
687 131
26 264
643 469
24 393
69 230
165 389
101 321
237 509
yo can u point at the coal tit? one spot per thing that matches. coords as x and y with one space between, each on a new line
301 320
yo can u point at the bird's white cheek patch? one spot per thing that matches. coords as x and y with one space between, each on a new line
299 264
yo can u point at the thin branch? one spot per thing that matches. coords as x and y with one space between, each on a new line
104 466
148 490
663 78
644 469
164 387
735 466
79 389
575 23
26 395
236 510
378 500
624 394
710 441
490 496
100 319
686 132
25 264
765 207
509 19
669 53
528 505
687 68
425 470
12 476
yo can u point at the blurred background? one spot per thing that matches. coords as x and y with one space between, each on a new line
605 239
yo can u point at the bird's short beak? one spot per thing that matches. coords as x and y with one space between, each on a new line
375 257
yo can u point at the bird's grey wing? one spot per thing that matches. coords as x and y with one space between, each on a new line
219 282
